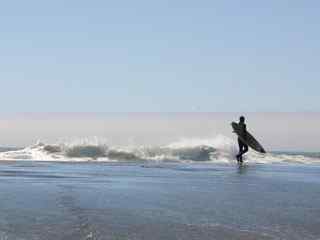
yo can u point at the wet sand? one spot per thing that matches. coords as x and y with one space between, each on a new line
41 200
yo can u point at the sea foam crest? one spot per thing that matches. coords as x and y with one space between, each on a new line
219 149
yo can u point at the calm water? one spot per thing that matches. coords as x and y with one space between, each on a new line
42 200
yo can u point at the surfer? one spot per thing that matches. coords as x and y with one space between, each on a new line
243 147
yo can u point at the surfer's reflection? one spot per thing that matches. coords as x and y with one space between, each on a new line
242 169
243 147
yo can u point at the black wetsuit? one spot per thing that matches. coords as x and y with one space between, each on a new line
243 147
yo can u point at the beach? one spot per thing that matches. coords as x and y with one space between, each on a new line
143 200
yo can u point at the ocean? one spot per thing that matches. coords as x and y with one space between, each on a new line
190 189
218 150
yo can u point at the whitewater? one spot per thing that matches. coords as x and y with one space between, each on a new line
219 149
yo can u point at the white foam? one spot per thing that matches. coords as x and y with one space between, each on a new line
215 150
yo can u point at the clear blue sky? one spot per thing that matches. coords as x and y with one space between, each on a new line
142 55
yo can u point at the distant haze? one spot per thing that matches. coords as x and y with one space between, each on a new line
276 131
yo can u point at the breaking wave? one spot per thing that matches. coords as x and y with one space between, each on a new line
216 150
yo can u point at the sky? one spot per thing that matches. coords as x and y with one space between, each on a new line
159 56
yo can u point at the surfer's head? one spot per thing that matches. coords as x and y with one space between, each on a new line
242 119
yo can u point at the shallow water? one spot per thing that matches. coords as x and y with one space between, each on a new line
46 200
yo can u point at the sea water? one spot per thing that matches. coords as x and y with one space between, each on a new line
185 190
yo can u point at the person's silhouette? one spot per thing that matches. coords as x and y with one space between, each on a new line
243 147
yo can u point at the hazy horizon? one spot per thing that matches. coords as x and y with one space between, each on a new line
276 131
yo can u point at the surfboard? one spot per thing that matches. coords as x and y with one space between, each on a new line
250 140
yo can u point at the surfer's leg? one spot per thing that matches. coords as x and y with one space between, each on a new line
241 145
240 158
245 149
240 148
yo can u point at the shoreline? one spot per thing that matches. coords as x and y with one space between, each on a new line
156 201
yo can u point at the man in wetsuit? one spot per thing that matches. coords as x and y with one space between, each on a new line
243 147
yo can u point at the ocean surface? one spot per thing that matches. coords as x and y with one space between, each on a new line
184 190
